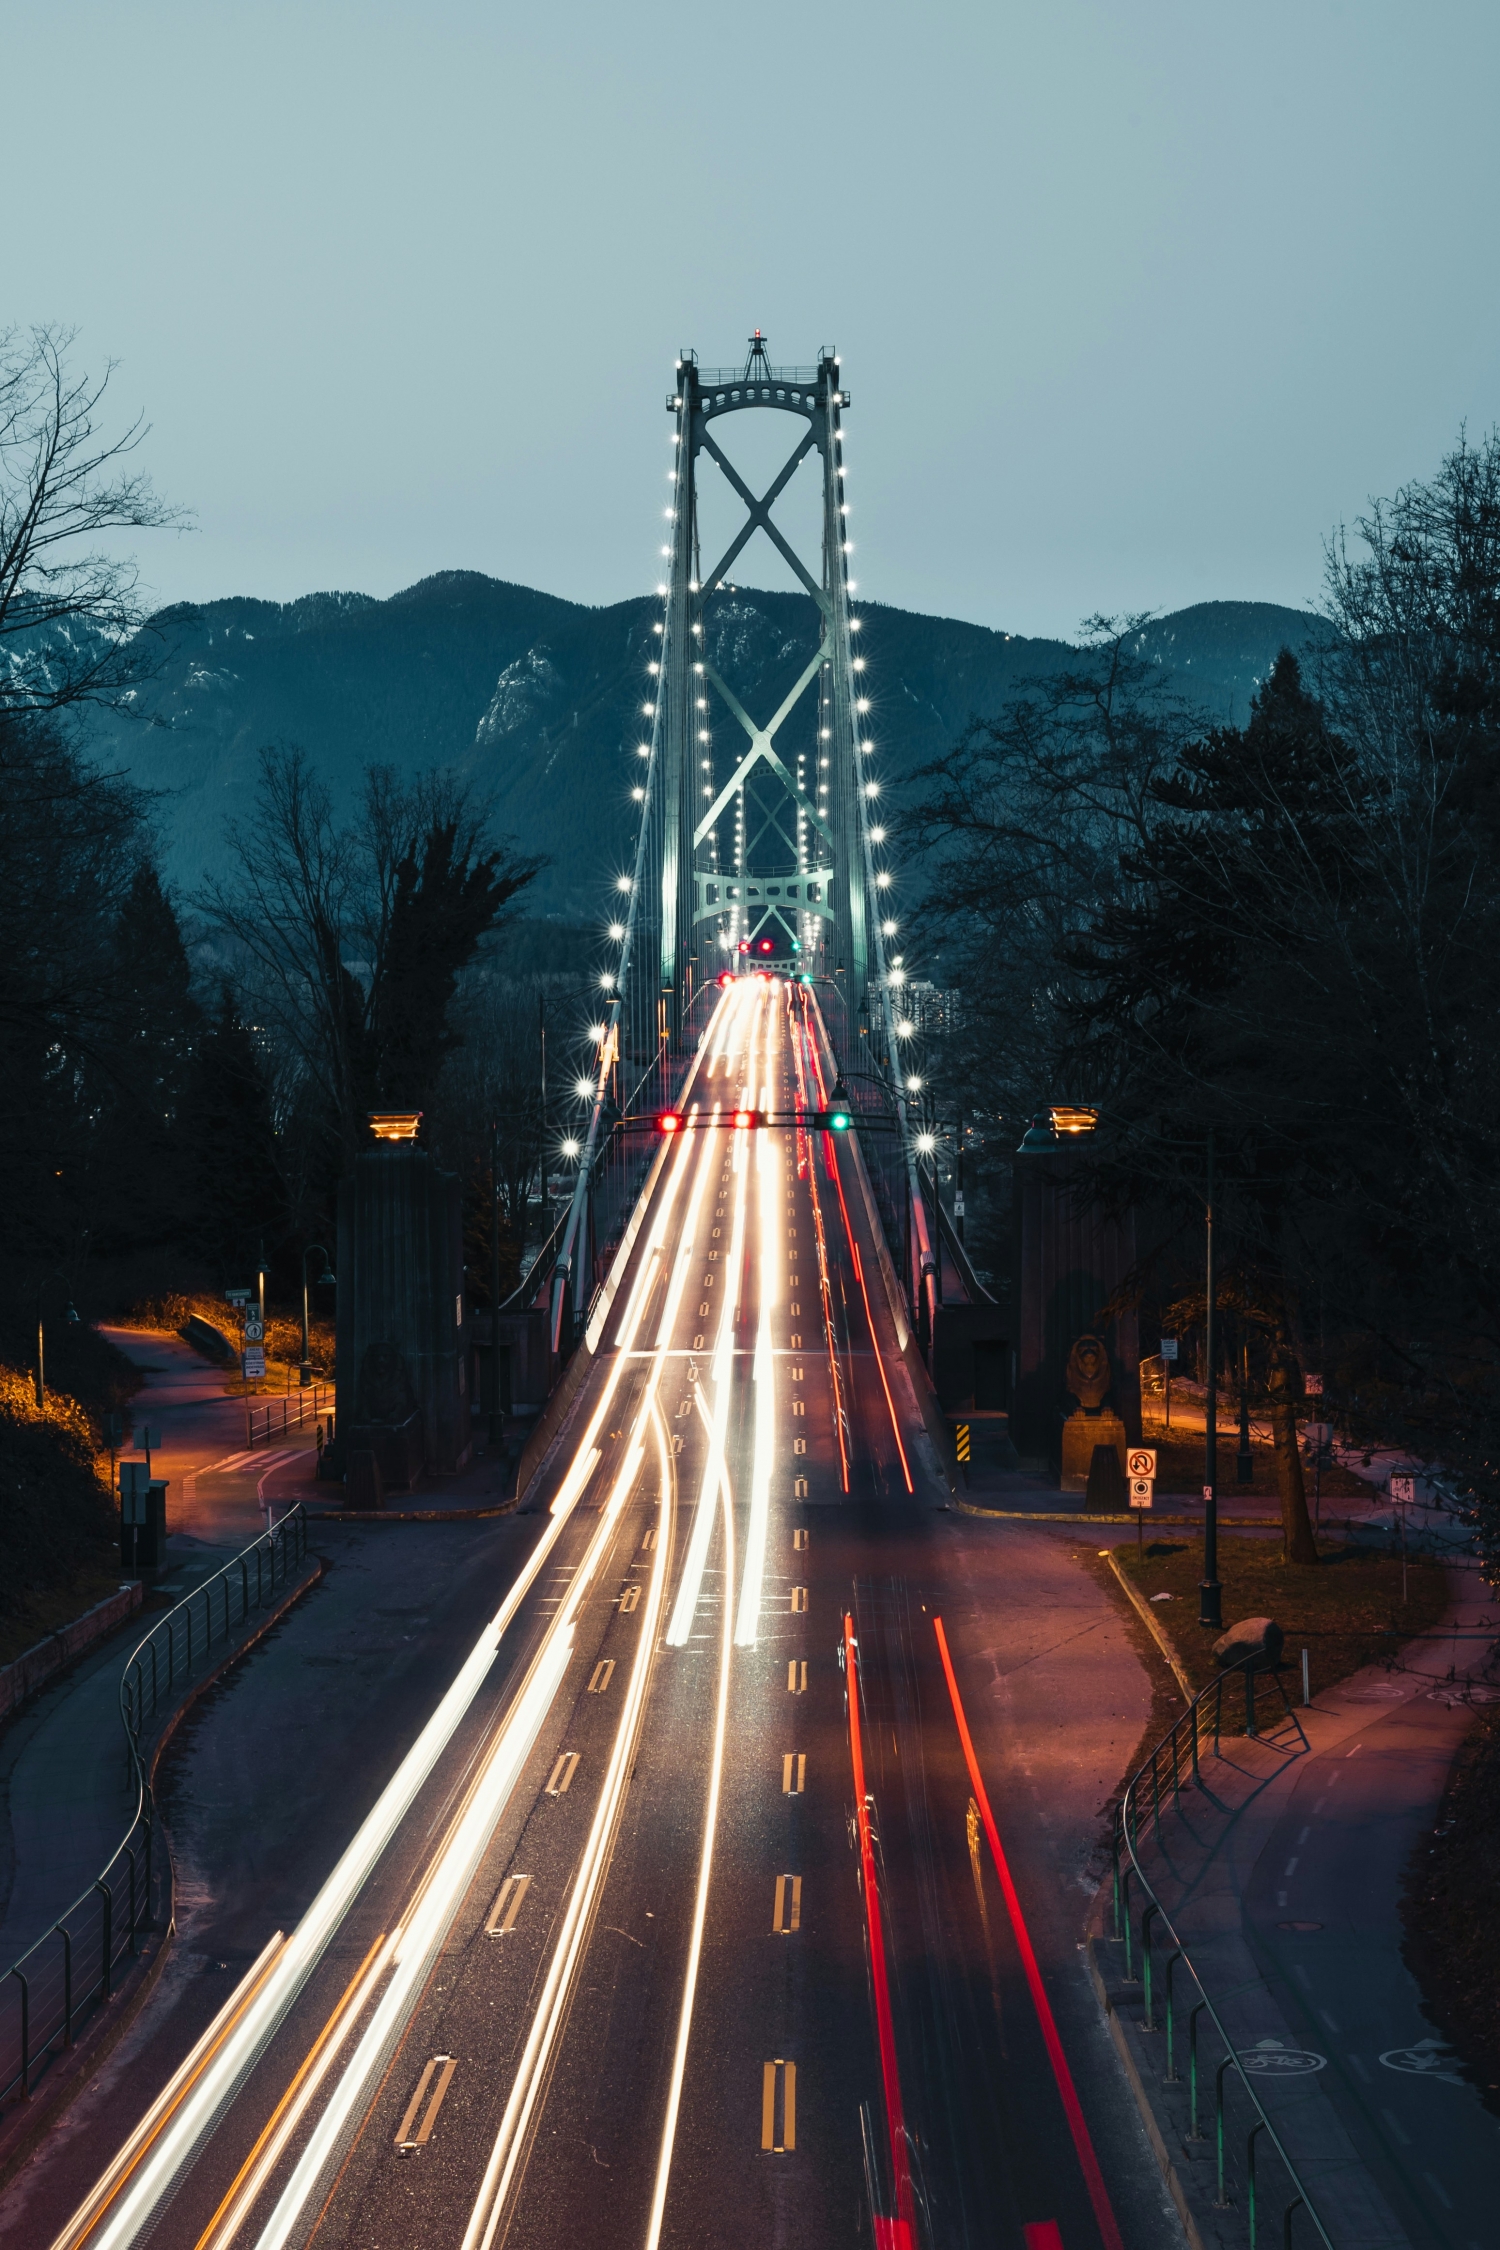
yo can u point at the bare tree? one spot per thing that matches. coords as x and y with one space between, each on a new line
69 610
349 938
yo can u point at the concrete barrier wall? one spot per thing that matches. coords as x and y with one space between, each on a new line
21 1680
205 1338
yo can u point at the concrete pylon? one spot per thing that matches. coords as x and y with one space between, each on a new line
403 1405
1070 1258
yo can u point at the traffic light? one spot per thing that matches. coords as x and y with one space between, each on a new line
768 945
669 1121
744 1119
839 1112
838 1120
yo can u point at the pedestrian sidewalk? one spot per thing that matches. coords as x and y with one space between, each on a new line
1285 1885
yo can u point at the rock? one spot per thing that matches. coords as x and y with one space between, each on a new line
1259 1637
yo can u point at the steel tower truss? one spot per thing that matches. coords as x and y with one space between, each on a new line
796 869
799 871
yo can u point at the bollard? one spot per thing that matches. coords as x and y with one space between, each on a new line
1306 1689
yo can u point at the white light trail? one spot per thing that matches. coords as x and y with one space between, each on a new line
689 1586
552 2008
177 2145
700 1902
748 1622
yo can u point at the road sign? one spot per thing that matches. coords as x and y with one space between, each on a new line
1313 1386
1142 1490
1169 1347
237 1296
1403 1487
1140 1461
255 1364
255 1329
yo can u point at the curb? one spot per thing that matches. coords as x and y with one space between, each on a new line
1135 2082
410 1515
34 2118
1153 1627
1178 1523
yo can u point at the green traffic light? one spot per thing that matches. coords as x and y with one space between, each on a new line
839 1120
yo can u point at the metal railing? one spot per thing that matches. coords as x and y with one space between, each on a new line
74 1969
275 1415
1173 1767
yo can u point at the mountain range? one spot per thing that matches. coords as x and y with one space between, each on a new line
540 700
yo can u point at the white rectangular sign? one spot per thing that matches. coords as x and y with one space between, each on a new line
255 1365
1142 1491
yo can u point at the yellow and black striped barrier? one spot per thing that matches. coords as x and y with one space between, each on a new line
961 1440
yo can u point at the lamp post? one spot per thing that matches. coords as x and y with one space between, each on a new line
1043 1139
497 1416
1244 1467
70 1315
326 1280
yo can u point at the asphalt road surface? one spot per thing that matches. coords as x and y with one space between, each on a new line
603 1940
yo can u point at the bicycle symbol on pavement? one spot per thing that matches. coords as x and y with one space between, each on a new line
1272 2058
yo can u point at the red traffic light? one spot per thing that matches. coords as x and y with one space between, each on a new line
727 977
670 1121
768 945
744 945
743 1119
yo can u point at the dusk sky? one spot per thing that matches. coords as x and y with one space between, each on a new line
1135 301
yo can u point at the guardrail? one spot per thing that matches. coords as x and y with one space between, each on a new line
71 1971
312 1403
1174 1766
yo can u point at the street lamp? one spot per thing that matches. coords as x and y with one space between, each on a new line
1043 1139
327 1279
70 1315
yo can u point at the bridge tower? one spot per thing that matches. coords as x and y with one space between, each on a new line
769 855
768 848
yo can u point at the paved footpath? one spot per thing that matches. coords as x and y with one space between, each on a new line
1321 1909
65 1791
1287 1886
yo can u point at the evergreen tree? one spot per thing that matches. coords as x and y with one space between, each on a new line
236 1197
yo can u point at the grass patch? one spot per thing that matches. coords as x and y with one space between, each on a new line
1179 1466
1450 1905
1346 1612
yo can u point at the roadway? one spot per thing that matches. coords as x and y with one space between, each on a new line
612 1952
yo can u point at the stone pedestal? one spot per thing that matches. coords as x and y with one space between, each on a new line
1081 1432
